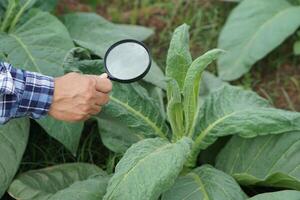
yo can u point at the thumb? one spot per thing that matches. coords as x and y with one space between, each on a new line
104 75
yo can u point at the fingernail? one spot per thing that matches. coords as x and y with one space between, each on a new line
103 75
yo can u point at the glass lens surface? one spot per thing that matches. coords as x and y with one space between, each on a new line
127 61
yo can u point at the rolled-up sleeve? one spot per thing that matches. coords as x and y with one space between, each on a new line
23 93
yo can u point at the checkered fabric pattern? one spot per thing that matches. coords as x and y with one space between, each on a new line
23 93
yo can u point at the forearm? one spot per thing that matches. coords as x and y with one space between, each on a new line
24 93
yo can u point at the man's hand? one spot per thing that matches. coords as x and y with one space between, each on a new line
77 97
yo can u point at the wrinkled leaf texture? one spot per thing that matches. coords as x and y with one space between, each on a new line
66 181
147 169
130 110
245 160
232 110
205 183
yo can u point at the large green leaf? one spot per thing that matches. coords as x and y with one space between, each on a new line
192 85
147 169
232 110
266 160
205 183
67 181
40 44
131 110
13 141
281 195
100 34
179 57
252 31
115 133
65 132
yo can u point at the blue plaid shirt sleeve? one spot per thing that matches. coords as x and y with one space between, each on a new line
23 93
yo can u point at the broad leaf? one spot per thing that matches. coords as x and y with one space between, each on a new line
116 135
66 133
100 34
232 110
13 141
66 181
131 106
252 31
40 44
179 57
266 160
286 194
205 183
147 169
191 87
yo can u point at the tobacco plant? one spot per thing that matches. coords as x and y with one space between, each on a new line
160 142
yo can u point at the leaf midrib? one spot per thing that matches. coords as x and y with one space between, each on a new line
199 182
139 114
156 151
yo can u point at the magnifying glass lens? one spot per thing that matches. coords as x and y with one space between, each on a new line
127 61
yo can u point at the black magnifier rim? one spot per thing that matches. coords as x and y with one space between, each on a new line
133 79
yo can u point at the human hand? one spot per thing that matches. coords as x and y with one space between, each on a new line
77 97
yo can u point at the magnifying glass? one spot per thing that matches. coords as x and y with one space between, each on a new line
127 61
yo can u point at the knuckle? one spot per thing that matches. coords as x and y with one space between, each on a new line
89 95
85 109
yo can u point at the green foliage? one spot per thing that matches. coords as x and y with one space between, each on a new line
34 51
132 111
245 159
66 181
232 110
156 139
205 182
153 164
254 29
13 141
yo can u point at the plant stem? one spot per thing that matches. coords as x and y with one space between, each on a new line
8 15
19 15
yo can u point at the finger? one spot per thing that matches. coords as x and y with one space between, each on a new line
101 98
103 84
95 110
